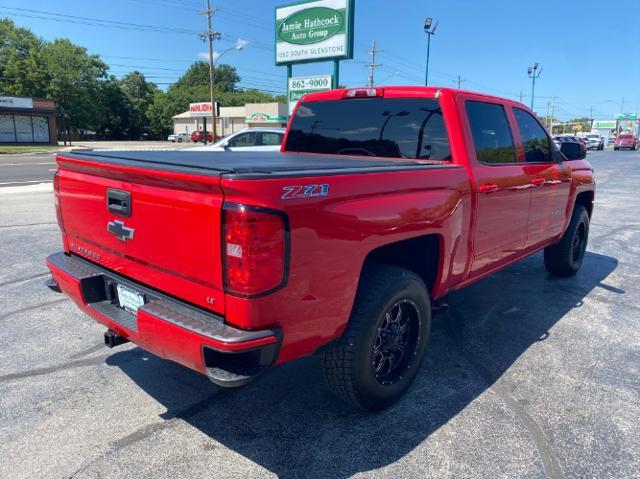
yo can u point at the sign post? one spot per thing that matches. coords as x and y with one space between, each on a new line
314 31
299 86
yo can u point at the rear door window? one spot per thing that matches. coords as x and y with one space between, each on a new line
386 127
535 141
271 139
492 138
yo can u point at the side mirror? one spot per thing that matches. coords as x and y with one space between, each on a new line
573 151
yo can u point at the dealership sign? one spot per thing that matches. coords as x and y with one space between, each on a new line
300 86
604 124
314 31
202 109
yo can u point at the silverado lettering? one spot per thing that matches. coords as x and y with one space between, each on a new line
431 190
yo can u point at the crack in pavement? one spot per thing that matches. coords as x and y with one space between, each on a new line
27 278
149 430
35 306
546 452
52 369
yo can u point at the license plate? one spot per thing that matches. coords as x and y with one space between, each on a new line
129 299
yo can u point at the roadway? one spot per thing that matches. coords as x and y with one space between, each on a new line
26 169
33 168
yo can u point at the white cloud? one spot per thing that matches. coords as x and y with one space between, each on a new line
205 56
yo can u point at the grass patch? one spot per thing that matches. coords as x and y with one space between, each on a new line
9 149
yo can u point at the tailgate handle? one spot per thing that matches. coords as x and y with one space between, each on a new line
119 202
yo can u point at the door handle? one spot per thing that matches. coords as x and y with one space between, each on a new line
537 181
488 188
119 202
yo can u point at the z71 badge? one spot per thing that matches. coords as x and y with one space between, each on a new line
306 191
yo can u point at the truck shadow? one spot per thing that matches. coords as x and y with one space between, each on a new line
288 423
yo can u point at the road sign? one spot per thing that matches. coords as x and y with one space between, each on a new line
300 86
316 30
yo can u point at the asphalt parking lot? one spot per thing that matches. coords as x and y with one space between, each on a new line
527 376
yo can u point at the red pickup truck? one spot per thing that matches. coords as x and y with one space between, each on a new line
625 140
343 244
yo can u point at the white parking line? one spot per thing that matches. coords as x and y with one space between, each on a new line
27 164
25 182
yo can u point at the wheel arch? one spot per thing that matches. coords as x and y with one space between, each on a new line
422 255
585 198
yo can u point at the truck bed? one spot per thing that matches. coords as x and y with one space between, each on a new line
251 164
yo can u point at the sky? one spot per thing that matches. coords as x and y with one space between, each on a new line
587 49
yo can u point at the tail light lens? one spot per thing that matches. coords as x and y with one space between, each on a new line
56 200
255 250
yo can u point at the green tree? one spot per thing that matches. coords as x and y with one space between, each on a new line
197 75
113 117
22 72
140 94
73 81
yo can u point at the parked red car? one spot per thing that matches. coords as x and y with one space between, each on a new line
198 137
343 245
625 140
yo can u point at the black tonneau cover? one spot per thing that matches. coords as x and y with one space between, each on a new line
251 164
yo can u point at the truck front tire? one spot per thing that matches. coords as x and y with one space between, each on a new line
379 354
564 258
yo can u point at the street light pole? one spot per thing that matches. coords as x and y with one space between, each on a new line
533 74
429 31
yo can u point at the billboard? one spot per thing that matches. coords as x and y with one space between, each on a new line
316 30
198 110
602 124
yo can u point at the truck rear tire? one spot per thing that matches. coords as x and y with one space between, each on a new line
380 352
564 258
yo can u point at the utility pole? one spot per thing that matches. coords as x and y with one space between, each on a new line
459 81
533 75
373 65
553 109
210 36
521 95
619 122
591 118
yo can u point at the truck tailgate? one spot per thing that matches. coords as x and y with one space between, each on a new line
170 240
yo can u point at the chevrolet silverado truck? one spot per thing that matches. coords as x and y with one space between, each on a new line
342 245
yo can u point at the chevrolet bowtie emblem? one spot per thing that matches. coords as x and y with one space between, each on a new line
120 231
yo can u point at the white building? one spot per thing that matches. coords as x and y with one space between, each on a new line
232 118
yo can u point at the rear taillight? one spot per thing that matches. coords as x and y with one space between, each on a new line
255 249
56 199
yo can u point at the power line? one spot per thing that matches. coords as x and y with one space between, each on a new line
101 22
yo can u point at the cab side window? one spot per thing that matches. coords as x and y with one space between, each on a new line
535 141
271 139
491 133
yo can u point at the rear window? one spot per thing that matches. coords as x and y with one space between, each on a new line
626 137
393 128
